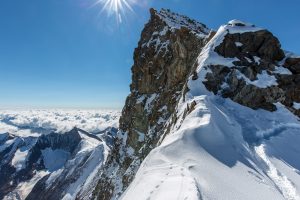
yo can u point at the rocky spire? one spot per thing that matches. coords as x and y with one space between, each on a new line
163 60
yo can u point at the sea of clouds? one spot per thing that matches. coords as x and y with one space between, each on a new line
36 122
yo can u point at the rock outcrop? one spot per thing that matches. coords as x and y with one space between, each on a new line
261 74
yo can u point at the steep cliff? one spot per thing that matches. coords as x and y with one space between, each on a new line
164 59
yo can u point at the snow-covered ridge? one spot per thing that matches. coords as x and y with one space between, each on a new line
177 21
218 148
232 27
238 26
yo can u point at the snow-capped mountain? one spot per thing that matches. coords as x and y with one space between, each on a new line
39 161
211 115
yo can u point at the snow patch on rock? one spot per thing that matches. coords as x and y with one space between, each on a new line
296 105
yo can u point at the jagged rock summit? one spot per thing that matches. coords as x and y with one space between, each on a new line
166 53
205 114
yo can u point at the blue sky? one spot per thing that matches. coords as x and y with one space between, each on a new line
63 53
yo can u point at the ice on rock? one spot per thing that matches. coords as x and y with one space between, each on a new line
296 105
236 22
238 26
238 44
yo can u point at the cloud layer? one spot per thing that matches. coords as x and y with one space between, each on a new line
36 122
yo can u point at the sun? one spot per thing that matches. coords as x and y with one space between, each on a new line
118 8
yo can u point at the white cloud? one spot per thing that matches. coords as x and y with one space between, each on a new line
38 121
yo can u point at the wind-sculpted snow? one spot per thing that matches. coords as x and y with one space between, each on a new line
35 122
211 155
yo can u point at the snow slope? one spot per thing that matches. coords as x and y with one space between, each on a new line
223 150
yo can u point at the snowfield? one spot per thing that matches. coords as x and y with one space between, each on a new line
207 157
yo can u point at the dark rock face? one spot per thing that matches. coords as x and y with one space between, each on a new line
162 65
67 141
163 61
293 64
261 44
257 53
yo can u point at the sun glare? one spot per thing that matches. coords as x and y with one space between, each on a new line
118 8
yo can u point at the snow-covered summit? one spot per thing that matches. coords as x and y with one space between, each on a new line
177 21
236 22
238 26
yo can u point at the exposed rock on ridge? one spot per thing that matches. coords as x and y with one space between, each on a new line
261 74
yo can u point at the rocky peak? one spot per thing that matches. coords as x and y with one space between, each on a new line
293 64
177 21
255 71
247 42
160 41
67 141
164 59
